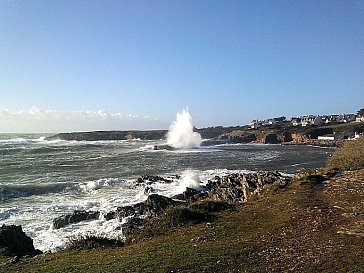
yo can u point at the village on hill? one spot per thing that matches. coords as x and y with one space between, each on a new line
308 120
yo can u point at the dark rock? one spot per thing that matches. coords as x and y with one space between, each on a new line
152 179
13 241
164 147
271 139
148 190
154 205
110 215
131 225
186 195
75 217
122 212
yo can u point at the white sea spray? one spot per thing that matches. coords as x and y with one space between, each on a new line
181 134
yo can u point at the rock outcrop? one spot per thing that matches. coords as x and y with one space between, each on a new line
230 189
14 242
236 188
153 206
76 217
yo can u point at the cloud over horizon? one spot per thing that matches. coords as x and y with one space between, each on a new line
54 121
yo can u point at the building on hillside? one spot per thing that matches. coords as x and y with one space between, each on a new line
331 137
329 119
255 124
273 121
311 120
344 118
360 118
268 122
295 121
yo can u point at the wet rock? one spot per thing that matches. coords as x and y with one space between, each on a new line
75 217
187 194
13 241
164 147
148 179
154 205
110 215
148 190
223 192
123 212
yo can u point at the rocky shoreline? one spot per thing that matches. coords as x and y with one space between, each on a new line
309 223
228 190
231 189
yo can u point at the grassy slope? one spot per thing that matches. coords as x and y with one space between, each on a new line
295 229
349 157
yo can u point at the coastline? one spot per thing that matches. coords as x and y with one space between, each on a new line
262 221
301 227
220 140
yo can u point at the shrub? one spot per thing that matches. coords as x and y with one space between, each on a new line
209 205
89 242
172 218
348 157
180 216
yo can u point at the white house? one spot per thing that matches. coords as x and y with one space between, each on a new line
311 120
255 124
295 121
360 118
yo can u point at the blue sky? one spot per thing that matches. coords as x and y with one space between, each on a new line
228 61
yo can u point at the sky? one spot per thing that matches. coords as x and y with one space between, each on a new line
119 65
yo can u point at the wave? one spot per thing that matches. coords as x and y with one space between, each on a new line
94 185
24 190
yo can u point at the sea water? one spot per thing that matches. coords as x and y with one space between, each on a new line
41 180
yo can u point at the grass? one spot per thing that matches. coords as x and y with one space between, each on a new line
348 157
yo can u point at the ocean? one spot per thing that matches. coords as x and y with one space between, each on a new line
41 180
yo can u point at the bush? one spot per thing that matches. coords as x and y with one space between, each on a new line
180 216
208 205
89 242
172 218
348 157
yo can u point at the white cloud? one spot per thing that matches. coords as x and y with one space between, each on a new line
39 120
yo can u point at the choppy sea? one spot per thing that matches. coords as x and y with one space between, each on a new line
41 180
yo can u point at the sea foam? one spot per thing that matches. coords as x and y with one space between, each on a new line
181 134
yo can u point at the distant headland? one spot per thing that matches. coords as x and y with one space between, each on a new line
311 129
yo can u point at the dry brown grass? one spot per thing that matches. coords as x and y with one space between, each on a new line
349 157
